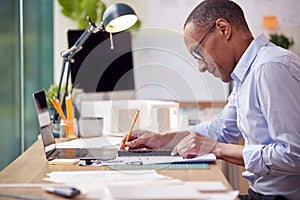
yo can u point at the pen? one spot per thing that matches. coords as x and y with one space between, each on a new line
69 192
132 125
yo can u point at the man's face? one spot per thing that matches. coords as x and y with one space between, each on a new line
212 54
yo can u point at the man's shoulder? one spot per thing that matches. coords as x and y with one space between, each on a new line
276 58
273 54
273 63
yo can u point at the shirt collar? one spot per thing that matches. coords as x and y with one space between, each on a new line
240 71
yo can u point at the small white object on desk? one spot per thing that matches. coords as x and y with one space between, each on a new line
90 126
63 161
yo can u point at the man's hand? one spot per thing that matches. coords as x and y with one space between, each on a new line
194 145
141 139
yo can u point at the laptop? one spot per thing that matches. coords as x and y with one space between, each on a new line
48 140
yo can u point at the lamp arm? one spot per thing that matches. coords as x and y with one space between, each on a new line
68 54
55 119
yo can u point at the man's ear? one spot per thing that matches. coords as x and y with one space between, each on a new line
224 27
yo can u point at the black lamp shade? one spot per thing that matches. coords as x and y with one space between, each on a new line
118 17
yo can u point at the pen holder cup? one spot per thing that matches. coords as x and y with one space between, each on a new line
55 129
68 129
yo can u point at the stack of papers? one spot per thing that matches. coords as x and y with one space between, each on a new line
141 184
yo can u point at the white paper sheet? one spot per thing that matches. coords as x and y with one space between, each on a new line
141 184
94 184
154 192
106 177
167 191
144 160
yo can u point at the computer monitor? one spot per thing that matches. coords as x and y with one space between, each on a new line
97 67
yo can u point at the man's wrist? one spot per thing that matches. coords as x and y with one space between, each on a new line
217 150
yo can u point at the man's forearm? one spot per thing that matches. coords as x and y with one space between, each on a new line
232 153
174 138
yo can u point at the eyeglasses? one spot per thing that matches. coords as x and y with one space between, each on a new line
195 52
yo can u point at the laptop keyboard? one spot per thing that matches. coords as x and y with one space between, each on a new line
70 153
83 153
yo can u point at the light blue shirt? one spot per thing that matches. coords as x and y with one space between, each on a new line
264 109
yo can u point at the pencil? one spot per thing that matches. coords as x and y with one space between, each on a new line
70 124
69 108
132 125
58 108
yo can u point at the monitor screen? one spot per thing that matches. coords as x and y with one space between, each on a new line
97 67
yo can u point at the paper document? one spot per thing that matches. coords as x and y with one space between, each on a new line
145 160
142 184
201 159
180 191
93 184
103 141
103 176
185 190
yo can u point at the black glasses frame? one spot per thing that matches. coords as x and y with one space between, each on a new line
195 52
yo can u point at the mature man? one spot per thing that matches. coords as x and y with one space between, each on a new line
263 107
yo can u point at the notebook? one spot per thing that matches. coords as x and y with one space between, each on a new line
48 140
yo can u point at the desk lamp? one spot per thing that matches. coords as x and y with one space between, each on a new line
116 18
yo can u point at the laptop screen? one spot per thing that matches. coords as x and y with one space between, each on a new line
45 124
41 108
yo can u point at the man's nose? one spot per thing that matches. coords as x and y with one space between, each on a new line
202 66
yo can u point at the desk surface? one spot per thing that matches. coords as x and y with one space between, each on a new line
32 167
